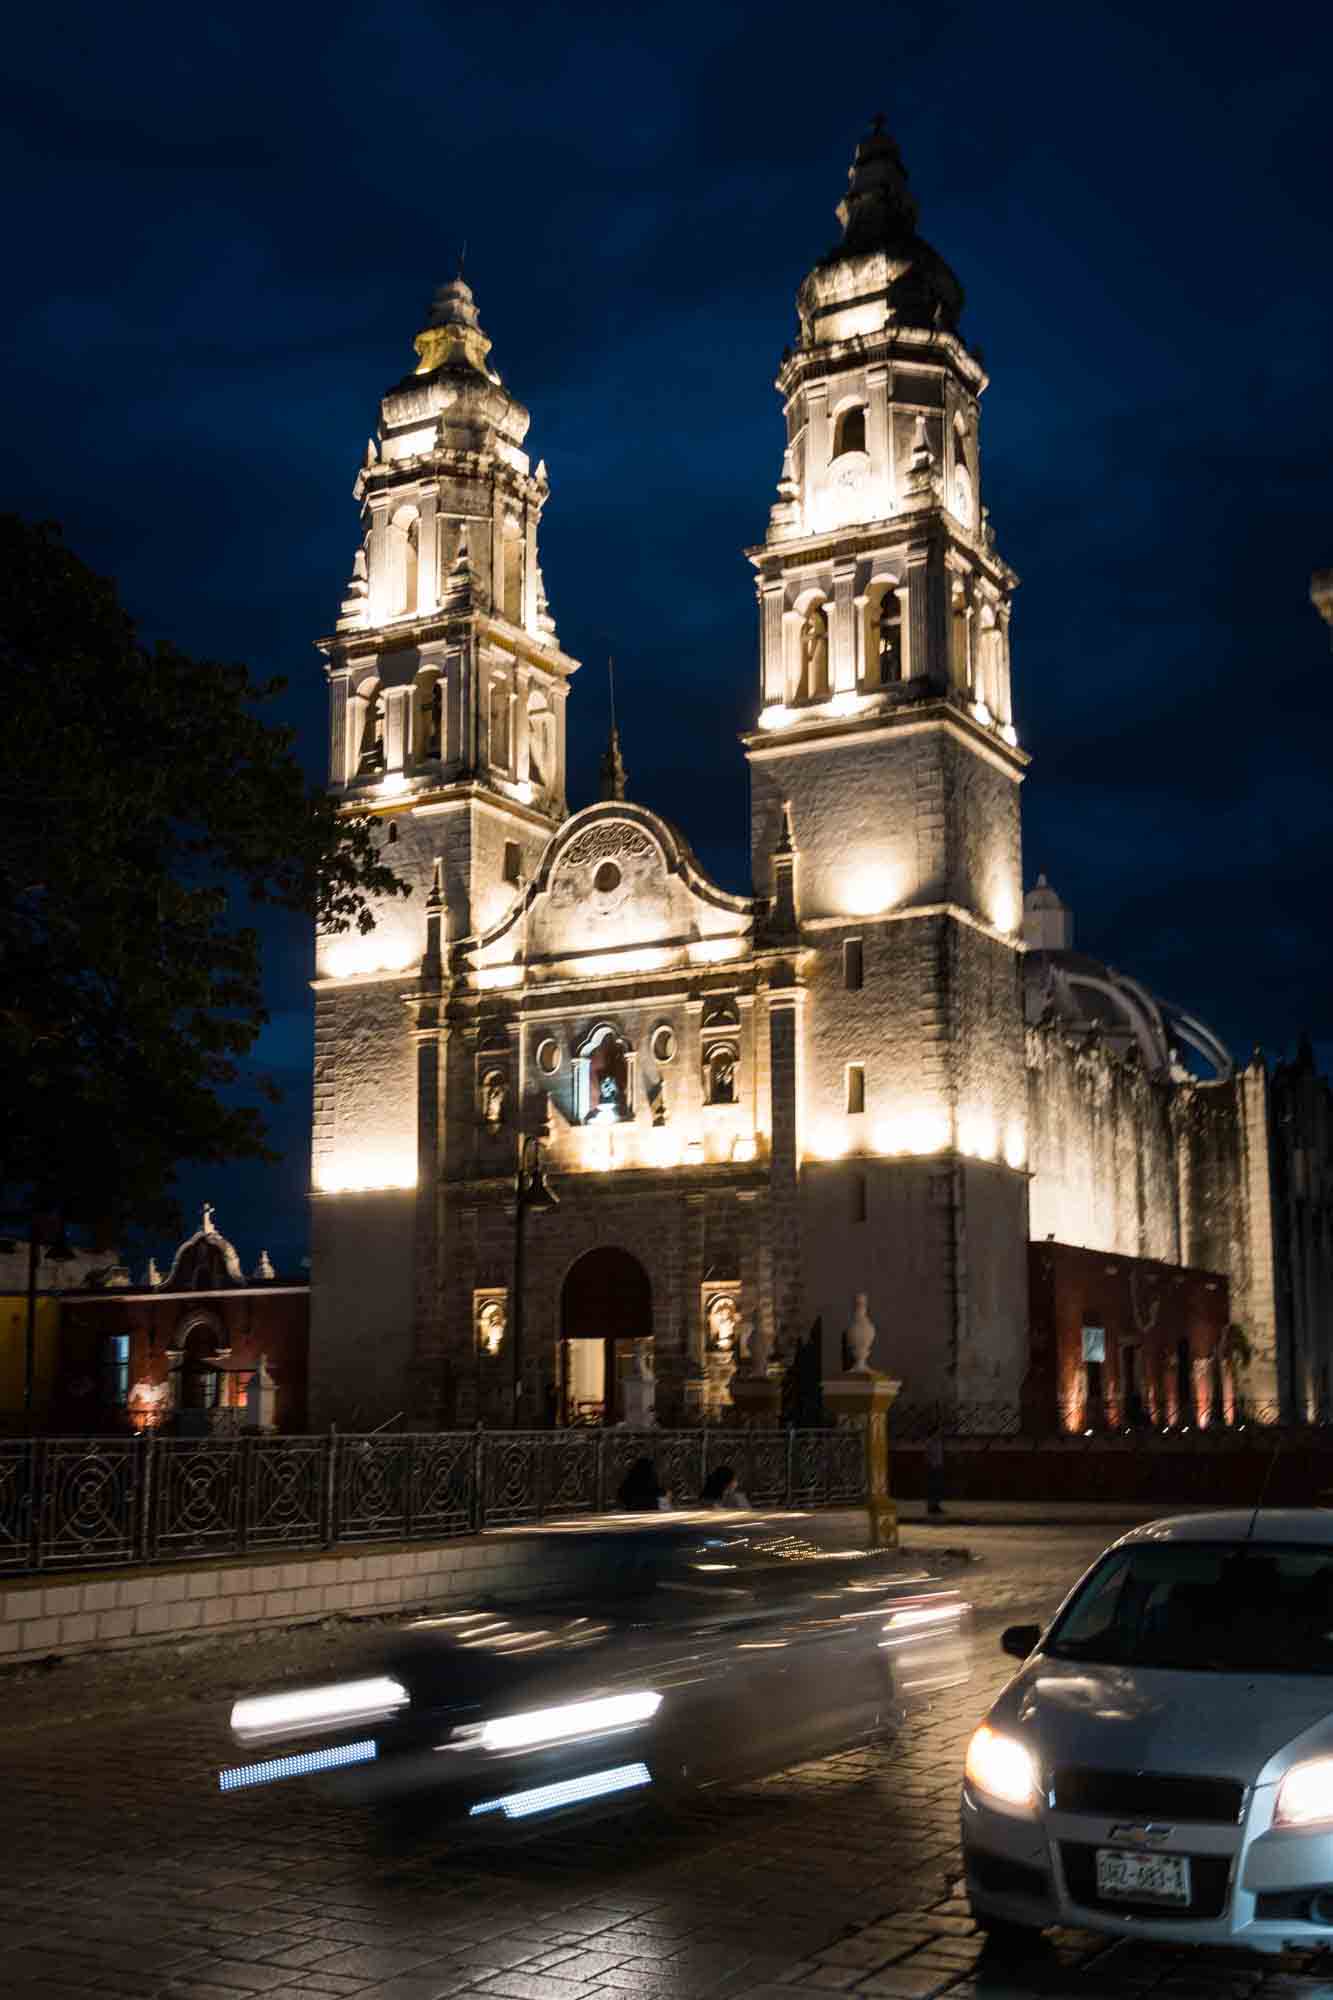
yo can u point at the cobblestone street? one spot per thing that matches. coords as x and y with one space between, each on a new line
127 1874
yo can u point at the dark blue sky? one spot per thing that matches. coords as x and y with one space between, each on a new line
223 232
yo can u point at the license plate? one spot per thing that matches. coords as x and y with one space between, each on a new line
1142 1878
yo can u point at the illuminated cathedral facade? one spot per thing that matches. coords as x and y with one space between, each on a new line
878 1071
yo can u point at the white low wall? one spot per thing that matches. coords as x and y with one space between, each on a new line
46 1615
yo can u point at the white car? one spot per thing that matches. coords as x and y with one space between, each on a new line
1162 1766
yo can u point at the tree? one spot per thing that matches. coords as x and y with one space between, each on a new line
146 805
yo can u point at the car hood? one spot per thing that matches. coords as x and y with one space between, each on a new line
1157 1719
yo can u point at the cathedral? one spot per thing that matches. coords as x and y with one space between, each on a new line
576 1104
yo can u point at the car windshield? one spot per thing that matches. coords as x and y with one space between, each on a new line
1226 1607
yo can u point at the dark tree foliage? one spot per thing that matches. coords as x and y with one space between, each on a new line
145 806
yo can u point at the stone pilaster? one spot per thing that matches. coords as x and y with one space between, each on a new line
772 654
843 676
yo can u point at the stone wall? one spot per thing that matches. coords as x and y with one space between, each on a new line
1173 1319
361 1306
1101 1150
1172 1169
59 1615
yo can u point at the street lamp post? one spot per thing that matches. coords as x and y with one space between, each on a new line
531 1191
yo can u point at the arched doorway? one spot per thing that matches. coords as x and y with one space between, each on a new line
606 1304
199 1377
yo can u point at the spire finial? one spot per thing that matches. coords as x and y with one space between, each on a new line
453 333
613 764
462 262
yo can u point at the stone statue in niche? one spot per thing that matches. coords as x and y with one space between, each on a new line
608 1093
491 1323
723 1322
493 1098
814 652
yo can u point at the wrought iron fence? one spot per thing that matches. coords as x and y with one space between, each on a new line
96 1503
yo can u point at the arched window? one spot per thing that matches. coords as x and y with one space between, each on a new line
199 1377
432 718
884 648
814 681
371 756
849 430
720 1066
604 1078
404 533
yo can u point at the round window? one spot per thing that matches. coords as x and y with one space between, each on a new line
606 879
548 1056
664 1043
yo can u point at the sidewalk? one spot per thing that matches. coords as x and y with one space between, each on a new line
1039 1514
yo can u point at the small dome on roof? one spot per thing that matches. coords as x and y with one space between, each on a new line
1087 998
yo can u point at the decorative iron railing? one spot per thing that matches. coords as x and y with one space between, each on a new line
71 1504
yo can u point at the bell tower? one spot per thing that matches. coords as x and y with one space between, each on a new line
447 722
885 771
447 686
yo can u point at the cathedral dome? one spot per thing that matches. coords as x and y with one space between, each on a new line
881 256
1088 998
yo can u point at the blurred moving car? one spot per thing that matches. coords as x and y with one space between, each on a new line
1163 1764
708 1647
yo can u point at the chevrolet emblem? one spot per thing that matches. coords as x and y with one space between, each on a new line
1151 1834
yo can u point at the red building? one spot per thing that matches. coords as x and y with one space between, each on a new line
1125 1341
203 1348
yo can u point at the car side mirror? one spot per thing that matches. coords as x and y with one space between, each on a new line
1020 1640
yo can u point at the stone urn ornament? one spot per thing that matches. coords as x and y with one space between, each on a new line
861 1337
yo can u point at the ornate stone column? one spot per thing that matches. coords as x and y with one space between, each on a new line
696 1384
428 547
772 652
842 677
878 441
339 747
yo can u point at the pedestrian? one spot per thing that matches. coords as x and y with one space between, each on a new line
935 1471
640 1489
722 1489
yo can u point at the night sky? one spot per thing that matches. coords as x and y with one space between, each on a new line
224 230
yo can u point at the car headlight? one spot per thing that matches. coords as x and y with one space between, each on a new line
345 1705
574 1718
1002 1768
1305 1794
